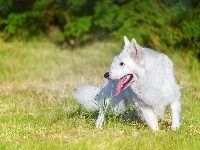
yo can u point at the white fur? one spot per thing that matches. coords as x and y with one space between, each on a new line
152 88
85 95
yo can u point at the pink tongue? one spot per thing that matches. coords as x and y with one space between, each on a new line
122 82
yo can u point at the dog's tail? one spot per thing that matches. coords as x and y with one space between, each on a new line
85 95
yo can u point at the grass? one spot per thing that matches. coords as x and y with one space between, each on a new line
38 110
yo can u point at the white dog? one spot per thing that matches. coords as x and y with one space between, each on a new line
137 76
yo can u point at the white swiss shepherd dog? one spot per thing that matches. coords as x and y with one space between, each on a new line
138 76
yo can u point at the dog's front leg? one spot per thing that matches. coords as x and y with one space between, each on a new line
105 103
100 119
150 118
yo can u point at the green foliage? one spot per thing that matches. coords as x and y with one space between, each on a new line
183 25
78 27
159 24
41 4
5 2
14 22
76 4
106 15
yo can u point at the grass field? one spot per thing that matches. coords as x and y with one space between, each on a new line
38 111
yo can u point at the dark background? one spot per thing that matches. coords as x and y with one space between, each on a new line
159 24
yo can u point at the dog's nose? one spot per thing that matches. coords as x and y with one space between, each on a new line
106 75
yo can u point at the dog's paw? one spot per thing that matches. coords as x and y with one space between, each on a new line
99 122
175 126
154 128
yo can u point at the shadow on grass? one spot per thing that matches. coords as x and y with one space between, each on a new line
128 117
81 112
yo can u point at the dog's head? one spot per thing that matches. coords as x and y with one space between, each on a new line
127 66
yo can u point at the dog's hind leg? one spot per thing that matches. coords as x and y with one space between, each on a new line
176 114
150 118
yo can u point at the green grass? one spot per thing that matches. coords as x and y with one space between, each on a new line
38 111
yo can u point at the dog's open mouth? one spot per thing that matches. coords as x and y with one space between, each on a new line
123 83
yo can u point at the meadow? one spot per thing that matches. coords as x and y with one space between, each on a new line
38 111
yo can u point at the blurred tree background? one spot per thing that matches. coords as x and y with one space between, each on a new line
159 24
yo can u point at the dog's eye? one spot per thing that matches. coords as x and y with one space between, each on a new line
122 64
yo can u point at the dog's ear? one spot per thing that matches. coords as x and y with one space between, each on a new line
135 50
126 42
